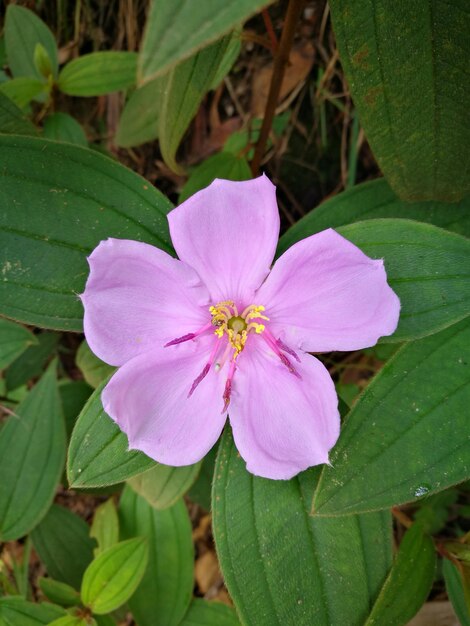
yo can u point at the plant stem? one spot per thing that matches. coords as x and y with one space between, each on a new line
281 60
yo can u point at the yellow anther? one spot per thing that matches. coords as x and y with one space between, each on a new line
236 327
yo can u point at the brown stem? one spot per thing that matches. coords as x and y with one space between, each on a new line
270 30
281 60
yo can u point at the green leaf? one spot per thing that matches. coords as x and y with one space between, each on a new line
405 65
32 362
59 592
407 435
94 370
409 582
164 45
200 492
15 611
165 106
426 266
23 30
14 339
42 61
181 92
99 73
163 485
50 220
12 118
111 579
32 454
63 545
222 165
105 526
282 566
63 127
73 394
138 123
204 613
22 90
98 452
164 594
434 512
455 591
372 200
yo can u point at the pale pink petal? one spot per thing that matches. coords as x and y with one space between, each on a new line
325 294
138 297
147 398
228 232
282 424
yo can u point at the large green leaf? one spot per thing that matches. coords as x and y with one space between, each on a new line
165 592
99 453
166 44
163 485
99 73
32 454
23 31
12 118
14 339
426 266
405 63
16 611
204 613
114 575
63 544
407 435
372 200
409 582
282 566
57 202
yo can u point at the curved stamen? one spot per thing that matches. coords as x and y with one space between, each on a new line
206 368
188 336
282 345
228 384
271 341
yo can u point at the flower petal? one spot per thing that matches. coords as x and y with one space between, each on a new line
228 233
138 297
282 424
325 294
148 399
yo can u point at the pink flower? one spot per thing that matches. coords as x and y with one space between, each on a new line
217 331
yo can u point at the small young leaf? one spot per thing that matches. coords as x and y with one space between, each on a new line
14 339
42 61
139 119
32 454
63 127
111 579
98 452
73 620
63 544
94 370
59 592
99 73
408 583
23 30
165 592
163 485
105 526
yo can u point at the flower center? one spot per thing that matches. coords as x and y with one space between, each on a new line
228 321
